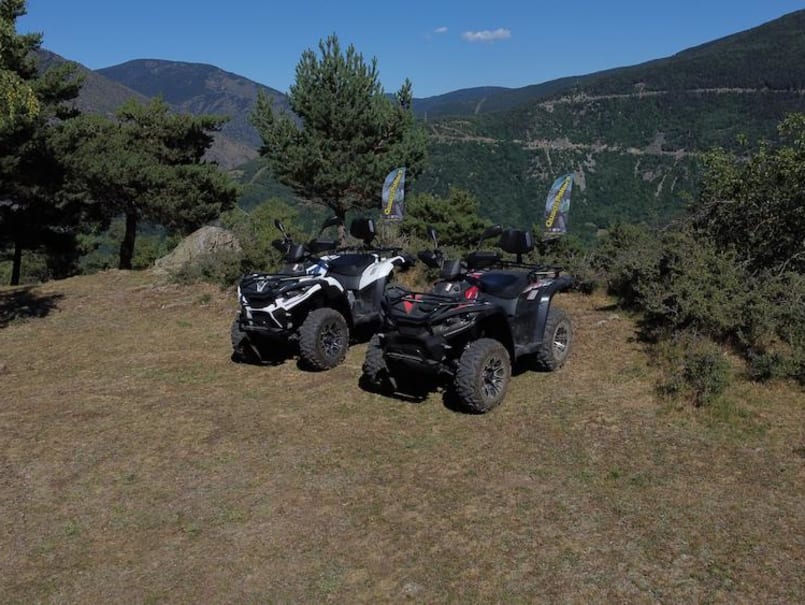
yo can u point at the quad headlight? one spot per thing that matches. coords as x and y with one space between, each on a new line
297 290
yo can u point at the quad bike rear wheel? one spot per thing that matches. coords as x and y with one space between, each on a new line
556 341
483 374
324 339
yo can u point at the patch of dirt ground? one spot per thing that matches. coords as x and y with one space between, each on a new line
139 464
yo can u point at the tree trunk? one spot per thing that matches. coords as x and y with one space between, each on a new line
16 264
127 245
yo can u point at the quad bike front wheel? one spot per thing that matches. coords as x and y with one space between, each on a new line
483 374
323 339
375 370
242 349
556 341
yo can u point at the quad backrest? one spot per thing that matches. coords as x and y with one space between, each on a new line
362 229
516 241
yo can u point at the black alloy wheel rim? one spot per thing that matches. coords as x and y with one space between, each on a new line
332 339
561 339
492 377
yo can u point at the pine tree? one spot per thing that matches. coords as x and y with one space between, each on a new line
33 214
148 166
349 134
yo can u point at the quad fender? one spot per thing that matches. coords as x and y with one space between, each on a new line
488 321
379 271
323 291
495 325
334 296
546 294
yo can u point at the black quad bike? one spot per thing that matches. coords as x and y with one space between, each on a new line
316 299
483 314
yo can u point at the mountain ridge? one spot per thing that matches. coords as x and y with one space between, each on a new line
632 135
199 88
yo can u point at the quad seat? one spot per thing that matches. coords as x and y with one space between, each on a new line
350 265
503 284
347 269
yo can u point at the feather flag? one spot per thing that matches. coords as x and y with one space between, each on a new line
393 196
557 206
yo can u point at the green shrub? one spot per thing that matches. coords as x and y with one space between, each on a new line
628 256
696 286
255 231
222 268
455 217
706 372
100 249
775 337
569 253
694 368
678 279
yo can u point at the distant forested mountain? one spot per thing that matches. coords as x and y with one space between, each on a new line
202 89
98 94
633 136
187 87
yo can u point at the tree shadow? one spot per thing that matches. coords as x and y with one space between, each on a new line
23 303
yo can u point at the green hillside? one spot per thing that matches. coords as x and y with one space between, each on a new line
633 136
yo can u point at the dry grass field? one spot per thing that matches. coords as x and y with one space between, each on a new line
138 464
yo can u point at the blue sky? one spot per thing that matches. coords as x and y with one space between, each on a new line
440 46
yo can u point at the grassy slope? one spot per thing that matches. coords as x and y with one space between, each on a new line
138 464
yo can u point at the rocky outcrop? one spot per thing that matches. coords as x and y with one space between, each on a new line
204 241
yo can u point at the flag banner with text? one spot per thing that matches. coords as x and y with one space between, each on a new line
557 206
394 194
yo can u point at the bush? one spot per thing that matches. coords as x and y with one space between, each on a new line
33 269
255 231
694 368
455 217
100 250
678 279
696 287
629 258
569 253
775 338
222 268
682 281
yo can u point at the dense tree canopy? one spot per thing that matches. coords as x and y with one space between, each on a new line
17 99
147 165
757 206
350 135
33 211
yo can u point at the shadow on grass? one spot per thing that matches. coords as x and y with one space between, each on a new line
406 391
23 304
415 388
263 354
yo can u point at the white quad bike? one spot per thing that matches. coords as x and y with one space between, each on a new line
316 301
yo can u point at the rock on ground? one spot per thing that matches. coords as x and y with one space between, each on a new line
207 240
